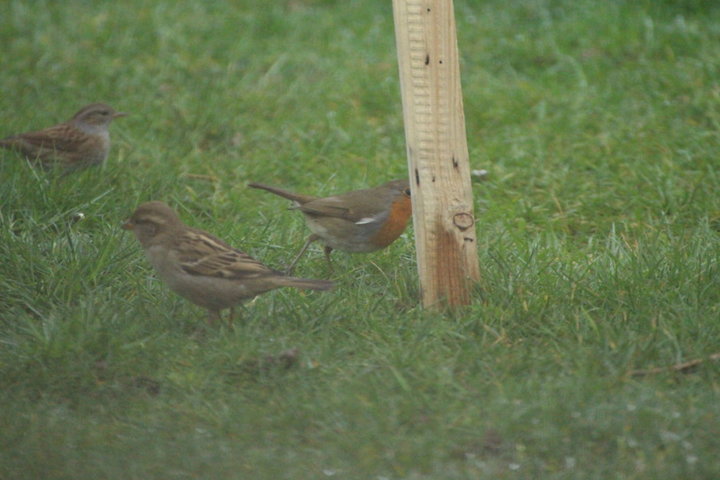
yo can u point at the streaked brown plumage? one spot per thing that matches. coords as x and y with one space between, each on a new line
81 142
201 267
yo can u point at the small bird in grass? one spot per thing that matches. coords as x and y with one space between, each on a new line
201 267
358 221
81 142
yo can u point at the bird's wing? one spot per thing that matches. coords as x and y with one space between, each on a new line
325 207
353 207
203 254
60 138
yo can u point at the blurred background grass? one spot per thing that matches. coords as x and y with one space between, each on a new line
597 226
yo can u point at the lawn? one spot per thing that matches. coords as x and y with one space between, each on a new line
598 230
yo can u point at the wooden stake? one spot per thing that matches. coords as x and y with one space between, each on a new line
437 150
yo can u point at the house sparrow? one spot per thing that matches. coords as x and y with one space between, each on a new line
357 221
201 267
80 142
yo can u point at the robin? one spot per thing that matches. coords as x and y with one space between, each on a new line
358 221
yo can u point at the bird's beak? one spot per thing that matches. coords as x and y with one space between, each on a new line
119 114
128 226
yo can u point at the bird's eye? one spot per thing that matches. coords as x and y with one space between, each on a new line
407 192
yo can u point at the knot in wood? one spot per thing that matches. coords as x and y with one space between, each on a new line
463 220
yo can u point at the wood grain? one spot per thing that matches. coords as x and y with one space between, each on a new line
437 150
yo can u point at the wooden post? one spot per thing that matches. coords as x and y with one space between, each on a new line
437 150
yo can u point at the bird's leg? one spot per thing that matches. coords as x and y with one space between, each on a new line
213 316
310 239
230 318
328 251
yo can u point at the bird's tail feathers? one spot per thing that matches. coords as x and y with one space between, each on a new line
296 197
308 283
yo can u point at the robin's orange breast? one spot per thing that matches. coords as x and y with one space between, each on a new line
394 226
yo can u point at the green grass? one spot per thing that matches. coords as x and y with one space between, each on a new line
598 230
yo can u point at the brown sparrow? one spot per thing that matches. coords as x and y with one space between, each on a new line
357 221
201 267
80 142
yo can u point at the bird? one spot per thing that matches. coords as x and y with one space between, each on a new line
202 268
80 142
357 221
